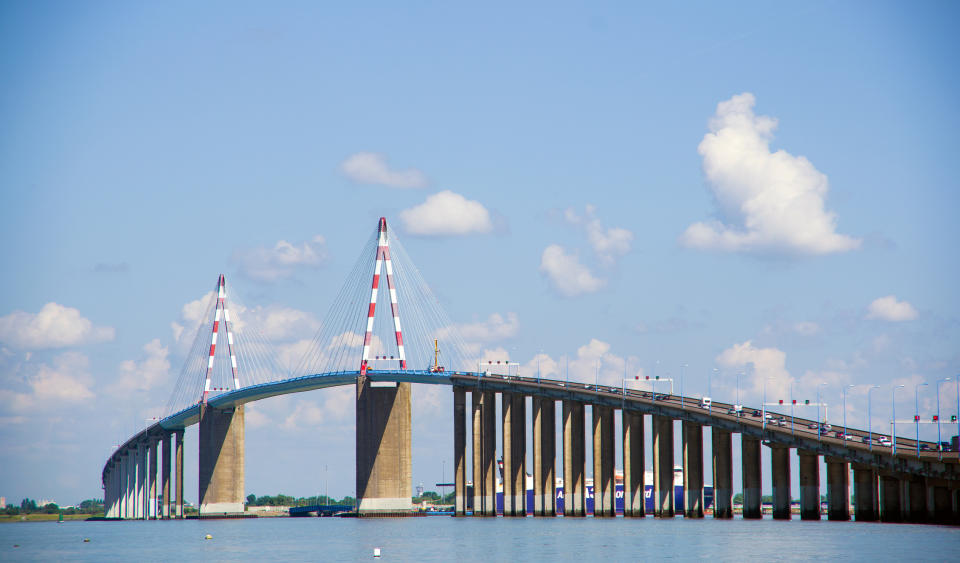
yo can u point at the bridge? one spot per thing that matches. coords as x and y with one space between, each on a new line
907 481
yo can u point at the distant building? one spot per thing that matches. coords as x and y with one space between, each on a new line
3 502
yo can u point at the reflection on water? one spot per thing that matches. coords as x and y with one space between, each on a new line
474 539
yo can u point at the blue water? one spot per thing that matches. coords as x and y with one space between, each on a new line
477 539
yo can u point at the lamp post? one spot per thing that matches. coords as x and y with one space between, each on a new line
893 404
845 387
819 429
710 391
681 384
738 387
916 414
792 404
869 419
939 443
596 381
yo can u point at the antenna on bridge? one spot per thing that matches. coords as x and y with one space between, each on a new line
383 255
220 306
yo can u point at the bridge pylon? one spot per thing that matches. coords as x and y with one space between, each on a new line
384 456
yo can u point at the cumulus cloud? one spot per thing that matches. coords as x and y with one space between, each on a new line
592 359
769 366
67 380
889 309
151 370
281 261
608 244
445 214
565 272
770 202
372 168
496 327
55 326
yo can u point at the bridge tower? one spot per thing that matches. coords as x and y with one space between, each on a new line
384 468
221 440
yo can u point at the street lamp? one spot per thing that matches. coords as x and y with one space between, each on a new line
596 382
792 404
893 438
869 419
916 414
738 387
845 410
819 429
939 443
710 390
681 384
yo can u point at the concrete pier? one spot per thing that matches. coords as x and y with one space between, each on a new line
221 460
476 418
152 479
544 457
141 504
179 472
165 476
722 456
865 493
513 412
891 498
780 477
574 459
663 501
809 485
692 469
489 435
633 464
915 501
750 457
838 489
942 503
603 462
459 451
383 442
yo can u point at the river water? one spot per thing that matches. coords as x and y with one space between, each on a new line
441 538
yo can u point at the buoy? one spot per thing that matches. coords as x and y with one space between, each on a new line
86 540
376 552
208 537
16 545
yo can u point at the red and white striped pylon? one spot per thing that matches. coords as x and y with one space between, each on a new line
221 306
383 255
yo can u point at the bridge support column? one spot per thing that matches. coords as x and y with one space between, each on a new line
165 476
179 471
383 448
152 478
489 453
780 475
865 493
809 485
603 462
663 497
221 460
476 400
633 464
574 459
692 469
124 485
722 454
750 457
513 411
544 457
459 451
915 501
838 489
942 502
141 481
891 498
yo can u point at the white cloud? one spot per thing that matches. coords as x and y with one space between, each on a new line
151 370
773 202
47 386
608 244
273 264
372 168
496 327
584 366
889 309
55 326
446 213
769 366
806 328
565 272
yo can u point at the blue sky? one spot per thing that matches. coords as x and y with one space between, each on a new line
751 187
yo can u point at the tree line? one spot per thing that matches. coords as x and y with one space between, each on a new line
30 506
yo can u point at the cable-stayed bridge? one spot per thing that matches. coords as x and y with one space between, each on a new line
362 342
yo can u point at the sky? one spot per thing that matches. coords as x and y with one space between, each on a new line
688 190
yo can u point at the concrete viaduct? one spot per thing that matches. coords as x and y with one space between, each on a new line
910 486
